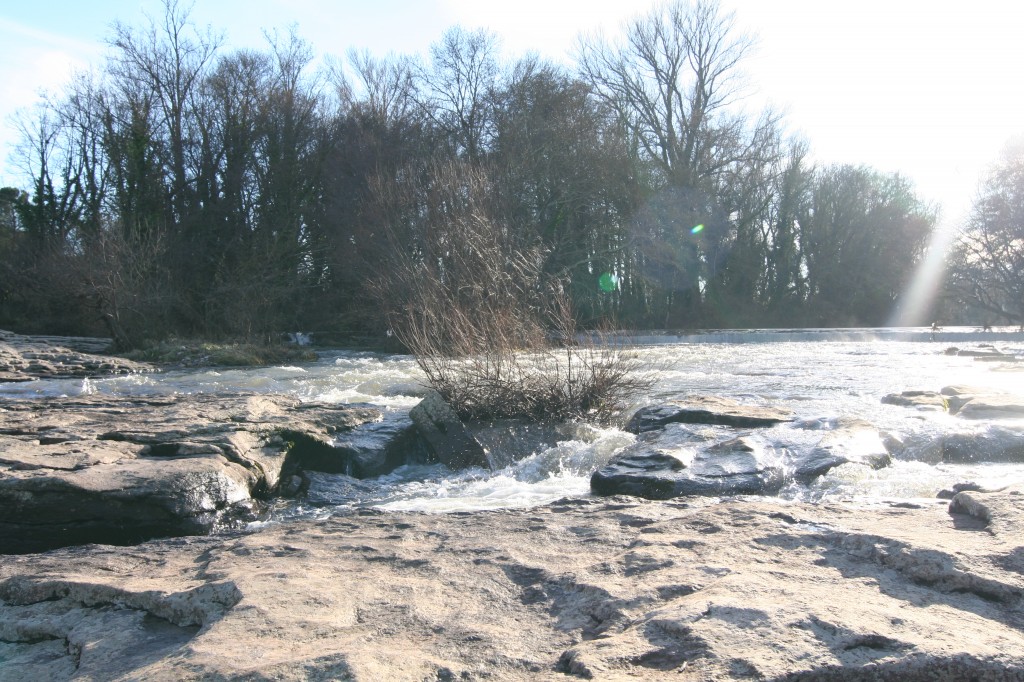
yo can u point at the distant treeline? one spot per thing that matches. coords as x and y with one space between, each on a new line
183 189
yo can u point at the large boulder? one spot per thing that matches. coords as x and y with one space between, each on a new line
921 400
996 444
697 409
119 470
1001 512
671 464
445 435
844 441
989 407
369 449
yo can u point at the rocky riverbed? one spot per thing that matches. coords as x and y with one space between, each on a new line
695 586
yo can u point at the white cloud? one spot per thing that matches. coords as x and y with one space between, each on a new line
33 62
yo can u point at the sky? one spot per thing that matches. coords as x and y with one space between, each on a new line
928 89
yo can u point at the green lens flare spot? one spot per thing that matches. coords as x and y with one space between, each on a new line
608 282
697 229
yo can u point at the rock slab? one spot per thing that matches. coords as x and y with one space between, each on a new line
25 358
679 453
446 437
963 401
610 589
662 468
124 469
697 409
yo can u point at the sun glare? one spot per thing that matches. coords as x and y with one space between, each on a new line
913 306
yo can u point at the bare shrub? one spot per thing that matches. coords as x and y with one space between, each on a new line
494 335
126 281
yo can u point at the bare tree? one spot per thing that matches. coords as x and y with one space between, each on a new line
169 60
125 282
674 80
463 72
385 89
988 260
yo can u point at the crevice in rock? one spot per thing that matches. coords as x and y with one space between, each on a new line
591 610
675 646
939 572
36 639
929 568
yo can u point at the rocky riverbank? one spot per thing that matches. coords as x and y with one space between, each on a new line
25 358
694 587
607 589
121 470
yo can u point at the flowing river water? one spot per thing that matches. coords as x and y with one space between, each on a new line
821 375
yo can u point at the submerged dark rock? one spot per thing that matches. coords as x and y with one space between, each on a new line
328 490
994 444
678 460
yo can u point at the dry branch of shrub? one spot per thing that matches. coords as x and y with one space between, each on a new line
493 333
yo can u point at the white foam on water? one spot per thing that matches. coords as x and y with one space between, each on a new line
553 473
902 480
817 374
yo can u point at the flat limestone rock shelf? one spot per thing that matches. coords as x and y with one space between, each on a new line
120 470
24 358
611 589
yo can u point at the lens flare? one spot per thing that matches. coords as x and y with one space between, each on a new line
608 282
697 229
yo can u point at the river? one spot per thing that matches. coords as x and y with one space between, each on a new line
820 375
